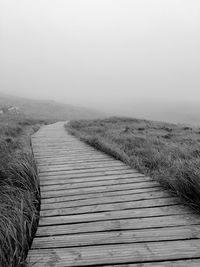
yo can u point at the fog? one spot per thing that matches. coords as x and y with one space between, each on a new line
129 57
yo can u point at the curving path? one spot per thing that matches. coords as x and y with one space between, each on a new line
96 211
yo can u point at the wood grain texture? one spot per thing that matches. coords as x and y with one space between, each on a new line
96 211
116 237
117 253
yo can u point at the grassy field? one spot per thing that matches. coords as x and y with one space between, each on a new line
19 189
167 152
19 186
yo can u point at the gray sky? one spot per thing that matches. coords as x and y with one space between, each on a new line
101 53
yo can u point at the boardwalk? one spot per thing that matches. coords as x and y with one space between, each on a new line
96 211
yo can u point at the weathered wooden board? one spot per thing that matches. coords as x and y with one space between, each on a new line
85 174
69 166
101 195
73 185
176 263
114 215
138 187
119 225
117 253
135 177
67 203
75 161
116 237
160 202
88 170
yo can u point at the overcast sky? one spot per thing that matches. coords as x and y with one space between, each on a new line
101 53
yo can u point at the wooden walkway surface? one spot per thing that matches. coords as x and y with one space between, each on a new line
96 211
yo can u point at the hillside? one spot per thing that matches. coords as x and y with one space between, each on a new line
184 112
48 110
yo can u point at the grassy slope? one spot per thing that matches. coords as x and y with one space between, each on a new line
19 189
167 152
48 110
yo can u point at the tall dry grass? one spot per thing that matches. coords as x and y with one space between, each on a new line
167 152
19 190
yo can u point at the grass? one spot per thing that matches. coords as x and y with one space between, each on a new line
19 189
168 153
19 186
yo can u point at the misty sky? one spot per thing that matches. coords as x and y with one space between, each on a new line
100 53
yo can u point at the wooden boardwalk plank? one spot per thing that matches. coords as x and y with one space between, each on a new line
160 202
56 176
101 195
137 187
177 263
82 171
102 186
67 203
72 185
117 253
114 215
135 177
95 210
75 161
116 237
118 225
78 166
